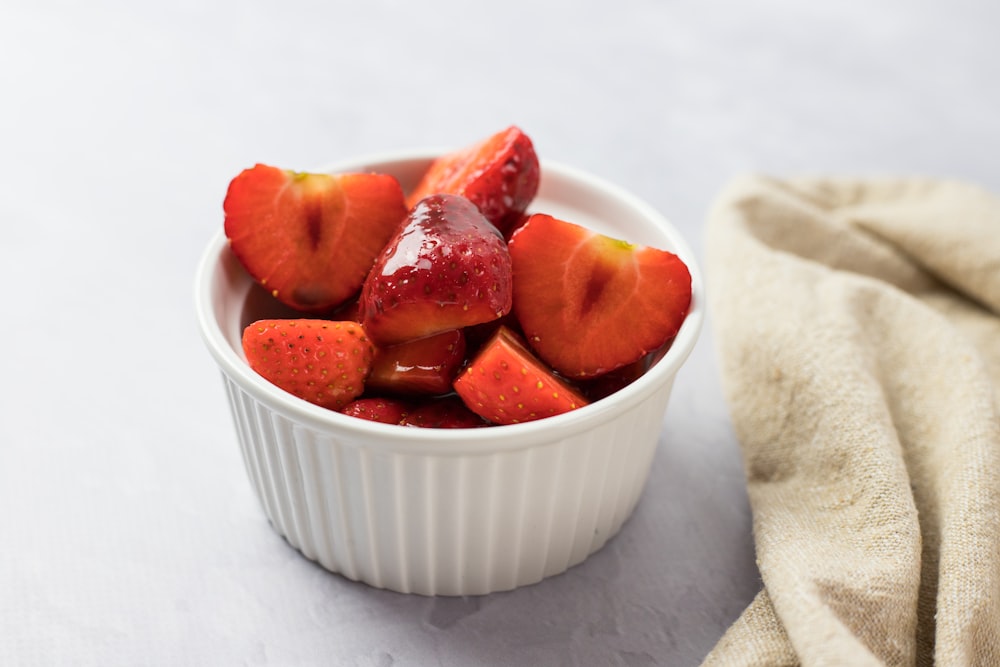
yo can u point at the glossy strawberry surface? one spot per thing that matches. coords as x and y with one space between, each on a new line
419 367
446 268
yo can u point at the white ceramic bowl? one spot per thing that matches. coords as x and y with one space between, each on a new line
438 511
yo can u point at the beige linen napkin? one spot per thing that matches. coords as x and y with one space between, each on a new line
858 330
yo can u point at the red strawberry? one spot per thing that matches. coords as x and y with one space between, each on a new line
384 410
423 366
320 361
499 175
507 384
310 238
588 303
446 412
446 268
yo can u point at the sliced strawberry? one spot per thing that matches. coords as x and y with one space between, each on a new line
320 361
588 303
383 410
500 175
507 384
418 367
446 412
446 268
310 239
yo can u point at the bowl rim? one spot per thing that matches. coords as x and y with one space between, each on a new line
457 442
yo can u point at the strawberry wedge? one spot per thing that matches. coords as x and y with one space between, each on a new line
507 384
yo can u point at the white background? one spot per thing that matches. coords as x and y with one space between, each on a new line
129 534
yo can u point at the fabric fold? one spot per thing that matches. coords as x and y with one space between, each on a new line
857 324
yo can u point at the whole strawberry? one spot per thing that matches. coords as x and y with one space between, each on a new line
323 362
446 268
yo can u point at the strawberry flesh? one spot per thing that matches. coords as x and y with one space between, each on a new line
446 268
589 304
507 384
320 361
310 239
499 174
419 367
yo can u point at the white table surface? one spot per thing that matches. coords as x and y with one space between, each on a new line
129 534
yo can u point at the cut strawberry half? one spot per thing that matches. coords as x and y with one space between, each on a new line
589 303
507 384
310 239
446 268
500 175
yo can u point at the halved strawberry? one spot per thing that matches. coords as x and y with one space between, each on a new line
588 303
310 239
320 361
500 175
507 384
423 366
446 412
446 268
383 410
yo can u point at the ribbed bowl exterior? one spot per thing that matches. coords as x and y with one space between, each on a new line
435 524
